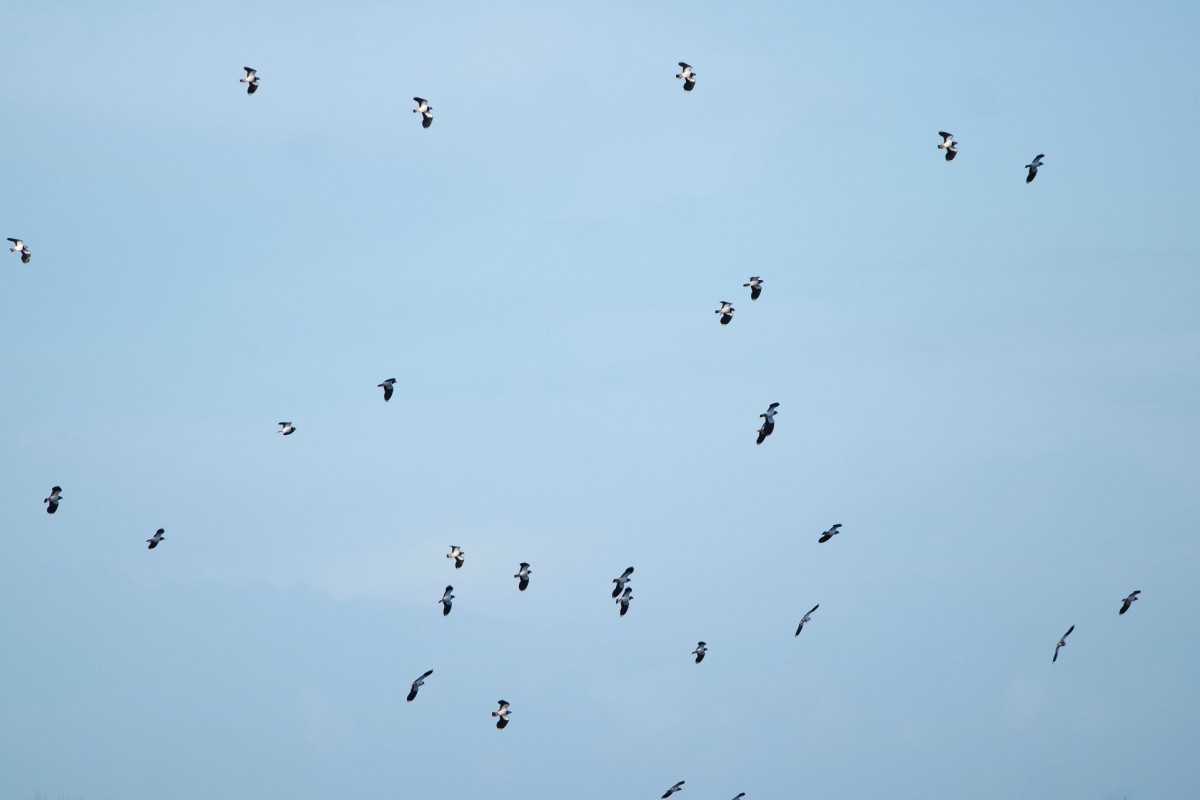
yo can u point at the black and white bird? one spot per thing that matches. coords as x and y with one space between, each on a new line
158 537
1128 601
621 581
755 285
417 684
425 110
768 426
522 576
829 534
688 75
701 649
447 601
623 600
1033 167
502 713
1061 643
251 80
676 788
387 388
458 555
53 500
806 618
286 428
948 144
740 796
19 246
726 312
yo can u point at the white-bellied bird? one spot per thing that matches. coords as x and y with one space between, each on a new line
948 144
387 388
458 555
158 537
251 80
417 684
425 110
829 534
676 788
806 618
447 601
701 649
726 312
1061 643
286 428
755 285
1033 167
1128 601
621 581
19 246
53 500
688 75
623 600
502 713
768 426
522 576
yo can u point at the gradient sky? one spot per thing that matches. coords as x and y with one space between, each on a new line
992 385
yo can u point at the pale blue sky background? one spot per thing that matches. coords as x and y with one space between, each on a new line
992 385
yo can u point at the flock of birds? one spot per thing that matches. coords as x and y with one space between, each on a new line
622 593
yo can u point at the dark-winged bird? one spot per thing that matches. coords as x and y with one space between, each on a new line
20 247
676 788
768 426
158 537
458 555
688 75
948 144
1128 601
755 285
726 312
1033 167
502 713
829 534
522 576
387 388
621 581
447 601
53 500
623 600
1061 643
286 428
251 80
425 110
417 684
806 618
701 649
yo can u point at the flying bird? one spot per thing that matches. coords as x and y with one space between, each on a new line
948 144
806 618
1128 601
158 537
726 312
251 80
755 285
458 555
502 713
1061 643
1033 167
621 581
829 534
387 388
20 247
417 684
522 576
624 599
676 788
689 76
53 500
768 426
286 428
701 649
425 110
740 796
447 601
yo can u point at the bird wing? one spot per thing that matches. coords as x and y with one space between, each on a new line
799 627
685 66
1056 647
951 153
946 136
426 120
835 526
1068 633
524 584
1134 593
628 571
420 100
772 406
688 85
387 393
249 72
428 672
814 608
251 88
755 292
14 241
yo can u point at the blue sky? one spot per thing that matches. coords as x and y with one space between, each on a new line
992 385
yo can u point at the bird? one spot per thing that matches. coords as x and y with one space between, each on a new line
755 285
53 500
20 247
806 618
522 576
447 601
1033 167
502 713
158 537
701 649
624 599
286 428
425 110
251 80
740 796
676 788
689 77
726 312
387 388
621 581
768 426
1061 643
417 684
829 534
458 555
948 144
1128 601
